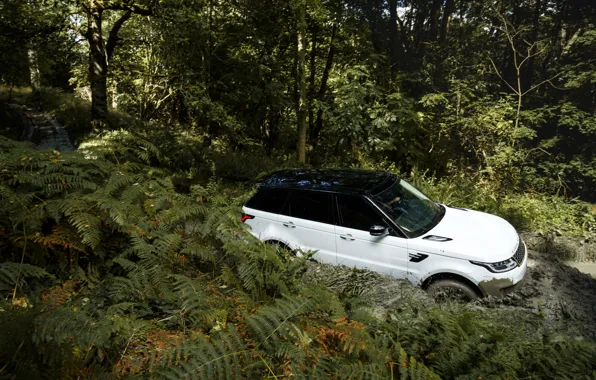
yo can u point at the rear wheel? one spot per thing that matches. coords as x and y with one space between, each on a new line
284 252
449 289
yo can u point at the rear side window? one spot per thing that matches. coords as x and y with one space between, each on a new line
357 213
310 206
268 200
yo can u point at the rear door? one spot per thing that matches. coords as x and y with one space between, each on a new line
356 247
308 224
263 210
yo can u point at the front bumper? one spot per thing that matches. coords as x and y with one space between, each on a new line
500 284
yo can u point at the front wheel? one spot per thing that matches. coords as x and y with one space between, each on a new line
449 289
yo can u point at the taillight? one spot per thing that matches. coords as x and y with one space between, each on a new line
246 217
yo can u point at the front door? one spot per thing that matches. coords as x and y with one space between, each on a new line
356 247
307 223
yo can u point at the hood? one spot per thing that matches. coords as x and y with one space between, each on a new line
475 236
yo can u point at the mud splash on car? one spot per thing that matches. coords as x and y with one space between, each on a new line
554 297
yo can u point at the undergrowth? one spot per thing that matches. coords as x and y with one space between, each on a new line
193 162
107 271
548 215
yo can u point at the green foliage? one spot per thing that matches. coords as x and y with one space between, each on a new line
112 266
370 121
126 277
13 274
457 341
549 215
104 206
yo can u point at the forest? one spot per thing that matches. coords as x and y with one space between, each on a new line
132 132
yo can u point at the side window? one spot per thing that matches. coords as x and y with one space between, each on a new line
309 205
357 213
268 200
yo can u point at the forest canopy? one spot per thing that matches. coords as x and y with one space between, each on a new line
503 89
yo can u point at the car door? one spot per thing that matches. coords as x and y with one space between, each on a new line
263 211
308 224
356 247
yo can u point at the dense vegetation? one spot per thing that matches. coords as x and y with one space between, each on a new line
126 258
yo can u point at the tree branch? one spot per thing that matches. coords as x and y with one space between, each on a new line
530 55
328 63
127 6
543 82
113 38
500 76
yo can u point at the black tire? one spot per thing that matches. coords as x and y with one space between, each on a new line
450 289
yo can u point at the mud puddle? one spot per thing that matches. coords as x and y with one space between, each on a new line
555 297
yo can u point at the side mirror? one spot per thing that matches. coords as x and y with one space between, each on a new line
378 230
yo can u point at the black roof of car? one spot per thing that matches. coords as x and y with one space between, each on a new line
332 180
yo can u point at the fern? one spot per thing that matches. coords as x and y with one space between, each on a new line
120 146
194 301
273 324
224 356
14 274
152 283
410 369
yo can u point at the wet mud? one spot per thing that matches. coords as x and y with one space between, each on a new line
554 297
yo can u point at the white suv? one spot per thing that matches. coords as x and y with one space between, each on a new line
377 221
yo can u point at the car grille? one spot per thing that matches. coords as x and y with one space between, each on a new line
520 252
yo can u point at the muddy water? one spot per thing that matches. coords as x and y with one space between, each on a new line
557 297
43 130
587 268
562 295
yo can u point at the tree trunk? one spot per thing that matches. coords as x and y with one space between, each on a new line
311 81
422 11
445 21
98 67
34 70
393 36
301 79
434 20
374 24
323 88
534 39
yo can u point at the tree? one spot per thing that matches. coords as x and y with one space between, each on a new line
301 107
34 69
101 52
25 26
445 21
519 60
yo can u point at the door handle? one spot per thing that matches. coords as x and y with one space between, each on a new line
289 224
347 237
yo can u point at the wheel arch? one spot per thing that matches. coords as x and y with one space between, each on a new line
452 276
278 242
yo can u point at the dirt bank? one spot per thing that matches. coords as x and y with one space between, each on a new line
562 247
555 297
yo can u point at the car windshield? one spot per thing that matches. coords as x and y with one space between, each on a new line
409 208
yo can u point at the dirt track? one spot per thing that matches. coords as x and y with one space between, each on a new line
42 129
556 296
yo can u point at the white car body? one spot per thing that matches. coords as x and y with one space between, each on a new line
461 246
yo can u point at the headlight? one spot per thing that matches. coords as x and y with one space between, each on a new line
500 267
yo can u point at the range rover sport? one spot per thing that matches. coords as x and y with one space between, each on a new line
377 221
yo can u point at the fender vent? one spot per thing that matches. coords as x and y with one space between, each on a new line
417 257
